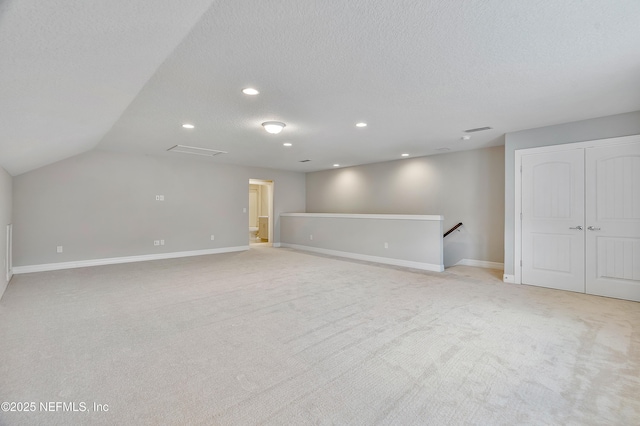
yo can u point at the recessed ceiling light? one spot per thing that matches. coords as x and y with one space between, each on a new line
336 165
188 126
361 124
465 138
405 155
274 127
250 91
287 144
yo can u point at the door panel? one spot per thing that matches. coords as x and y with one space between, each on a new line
613 218
553 204
552 252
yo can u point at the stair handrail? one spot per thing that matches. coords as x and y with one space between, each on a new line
452 229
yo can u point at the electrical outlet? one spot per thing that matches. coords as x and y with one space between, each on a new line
244 210
386 245
159 197
213 237
156 242
161 242
59 249
311 236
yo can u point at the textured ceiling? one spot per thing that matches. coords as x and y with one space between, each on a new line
70 68
125 75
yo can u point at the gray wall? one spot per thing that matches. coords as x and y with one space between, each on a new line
5 219
578 131
102 204
465 186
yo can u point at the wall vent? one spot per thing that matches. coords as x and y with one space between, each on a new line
304 161
184 149
478 129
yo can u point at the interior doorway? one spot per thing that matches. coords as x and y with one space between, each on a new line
260 212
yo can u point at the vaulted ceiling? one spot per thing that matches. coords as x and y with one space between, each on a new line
125 75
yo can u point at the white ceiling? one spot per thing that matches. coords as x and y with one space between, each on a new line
124 76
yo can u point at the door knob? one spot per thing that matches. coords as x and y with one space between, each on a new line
593 228
579 228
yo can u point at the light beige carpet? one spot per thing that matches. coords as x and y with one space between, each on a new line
275 336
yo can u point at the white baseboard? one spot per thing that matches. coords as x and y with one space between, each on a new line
481 264
511 279
276 245
368 258
128 259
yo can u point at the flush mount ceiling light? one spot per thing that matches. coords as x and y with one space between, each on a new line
274 127
404 155
188 126
361 124
465 138
250 91
336 165
287 144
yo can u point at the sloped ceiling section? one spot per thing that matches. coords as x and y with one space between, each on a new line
69 69
418 72
125 75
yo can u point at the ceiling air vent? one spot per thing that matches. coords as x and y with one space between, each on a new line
478 129
184 149
304 161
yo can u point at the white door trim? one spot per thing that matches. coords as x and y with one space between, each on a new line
517 233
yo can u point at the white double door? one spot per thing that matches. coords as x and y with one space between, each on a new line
581 220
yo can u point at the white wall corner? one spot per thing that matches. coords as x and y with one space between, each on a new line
511 279
276 245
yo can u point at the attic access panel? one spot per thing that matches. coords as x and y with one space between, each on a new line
185 149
